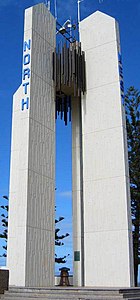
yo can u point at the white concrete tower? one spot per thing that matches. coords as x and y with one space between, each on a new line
103 240
30 257
101 202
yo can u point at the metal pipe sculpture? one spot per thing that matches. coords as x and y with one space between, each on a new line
69 76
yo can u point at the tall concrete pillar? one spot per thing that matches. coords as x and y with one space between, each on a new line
32 179
77 195
108 255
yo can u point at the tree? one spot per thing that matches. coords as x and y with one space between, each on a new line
4 221
58 238
4 234
132 105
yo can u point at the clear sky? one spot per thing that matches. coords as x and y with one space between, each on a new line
127 13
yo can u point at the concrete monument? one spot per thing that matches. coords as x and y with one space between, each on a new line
102 235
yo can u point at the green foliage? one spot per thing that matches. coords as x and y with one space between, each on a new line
4 221
4 234
132 106
58 238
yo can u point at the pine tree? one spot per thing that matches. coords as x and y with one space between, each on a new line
132 105
4 234
4 221
58 239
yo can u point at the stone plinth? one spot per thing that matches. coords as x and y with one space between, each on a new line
72 293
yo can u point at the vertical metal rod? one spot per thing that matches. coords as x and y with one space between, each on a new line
55 9
79 16
78 3
49 5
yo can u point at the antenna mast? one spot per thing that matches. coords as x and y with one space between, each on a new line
78 4
49 5
55 9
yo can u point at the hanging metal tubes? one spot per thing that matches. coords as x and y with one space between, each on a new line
69 76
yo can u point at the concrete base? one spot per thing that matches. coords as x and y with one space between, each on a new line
4 280
82 293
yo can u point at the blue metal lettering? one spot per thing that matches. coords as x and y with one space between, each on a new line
25 87
26 59
25 102
27 45
26 72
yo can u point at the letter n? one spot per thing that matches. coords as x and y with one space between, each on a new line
27 45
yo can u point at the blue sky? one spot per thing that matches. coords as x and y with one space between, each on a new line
127 12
